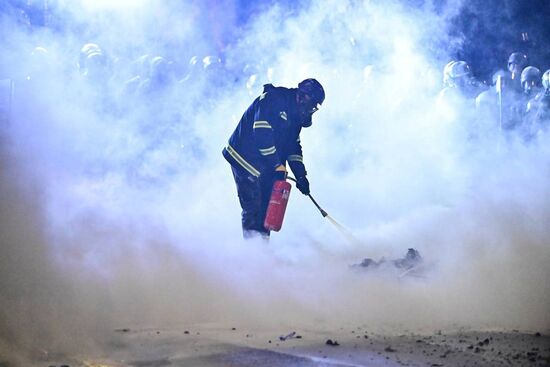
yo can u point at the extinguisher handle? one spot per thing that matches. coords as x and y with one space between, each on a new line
323 213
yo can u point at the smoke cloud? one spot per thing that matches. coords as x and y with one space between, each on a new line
118 209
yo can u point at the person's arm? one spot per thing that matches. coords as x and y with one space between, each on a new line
296 162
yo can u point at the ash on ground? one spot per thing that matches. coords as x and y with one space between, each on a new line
411 263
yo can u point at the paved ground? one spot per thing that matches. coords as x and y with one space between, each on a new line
209 345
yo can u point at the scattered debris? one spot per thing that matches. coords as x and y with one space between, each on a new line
368 262
484 342
331 342
288 336
532 355
444 355
411 261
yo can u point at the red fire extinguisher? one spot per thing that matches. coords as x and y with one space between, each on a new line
277 205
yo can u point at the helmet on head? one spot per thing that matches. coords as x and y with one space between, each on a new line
486 99
313 89
38 63
530 74
447 73
546 80
458 73
85 51
459 69
516 62
309 97
39 51
530 77
89 48
214 70
193 61
212 65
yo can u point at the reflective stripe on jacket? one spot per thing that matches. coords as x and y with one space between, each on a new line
268 134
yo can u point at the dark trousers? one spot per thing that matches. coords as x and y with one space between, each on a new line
254 194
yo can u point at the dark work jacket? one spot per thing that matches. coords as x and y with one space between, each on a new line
268 134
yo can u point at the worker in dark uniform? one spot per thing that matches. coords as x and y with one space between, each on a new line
268 136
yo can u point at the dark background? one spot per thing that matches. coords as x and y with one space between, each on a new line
493 29
488 30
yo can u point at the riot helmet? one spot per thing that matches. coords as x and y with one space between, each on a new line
38 64
211 62
516 62
485 99
530 77
85 51
193 61
213 66
447 73
213 70
458 74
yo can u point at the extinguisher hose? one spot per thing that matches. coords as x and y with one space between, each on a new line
323 213
340 227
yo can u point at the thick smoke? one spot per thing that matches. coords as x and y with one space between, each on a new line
118 209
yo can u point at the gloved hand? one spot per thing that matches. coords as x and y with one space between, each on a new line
280 173
303 185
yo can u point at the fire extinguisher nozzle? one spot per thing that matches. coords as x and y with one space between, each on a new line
323 213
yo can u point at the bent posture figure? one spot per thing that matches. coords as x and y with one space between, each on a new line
268 136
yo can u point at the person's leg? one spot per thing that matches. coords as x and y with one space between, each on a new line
250 197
